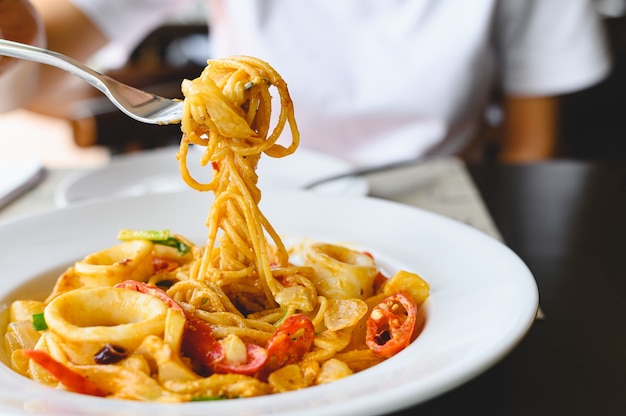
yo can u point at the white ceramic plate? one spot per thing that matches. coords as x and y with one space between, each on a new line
483 298
156 171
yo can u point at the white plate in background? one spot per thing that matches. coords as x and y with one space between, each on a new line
156 171
483 298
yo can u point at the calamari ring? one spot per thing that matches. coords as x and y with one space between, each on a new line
128 260
341 273
85 320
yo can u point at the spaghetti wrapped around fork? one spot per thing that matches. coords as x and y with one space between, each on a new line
228 112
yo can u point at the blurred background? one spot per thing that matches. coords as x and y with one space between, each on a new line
592 124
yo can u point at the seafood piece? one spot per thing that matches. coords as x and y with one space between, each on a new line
127 260
89 318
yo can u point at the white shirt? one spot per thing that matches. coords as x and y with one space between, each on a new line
377 81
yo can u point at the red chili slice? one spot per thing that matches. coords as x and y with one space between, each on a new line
74 381
290 342
391 325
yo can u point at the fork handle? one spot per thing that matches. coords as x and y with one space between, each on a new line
44 56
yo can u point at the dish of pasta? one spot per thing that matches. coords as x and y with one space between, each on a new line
272 301
159 318
476 312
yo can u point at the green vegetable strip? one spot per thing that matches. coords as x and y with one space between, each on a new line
156 236
177 244
151 235
39 322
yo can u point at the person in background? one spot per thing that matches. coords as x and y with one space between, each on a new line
375 82
19 22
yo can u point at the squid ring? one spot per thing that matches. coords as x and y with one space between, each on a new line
127 260
341 273
86 319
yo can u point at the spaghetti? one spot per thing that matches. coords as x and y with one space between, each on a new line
227 110
158 318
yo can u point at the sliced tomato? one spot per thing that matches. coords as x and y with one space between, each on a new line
257 357
74 381
207 353
199 342
391 325
290 342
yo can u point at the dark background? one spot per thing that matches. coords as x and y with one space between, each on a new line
593 121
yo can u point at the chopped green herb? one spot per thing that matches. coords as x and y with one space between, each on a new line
176 243
39 322
162 237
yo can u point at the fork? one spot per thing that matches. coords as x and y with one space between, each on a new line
137 104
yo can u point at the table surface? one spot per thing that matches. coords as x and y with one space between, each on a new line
567 221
